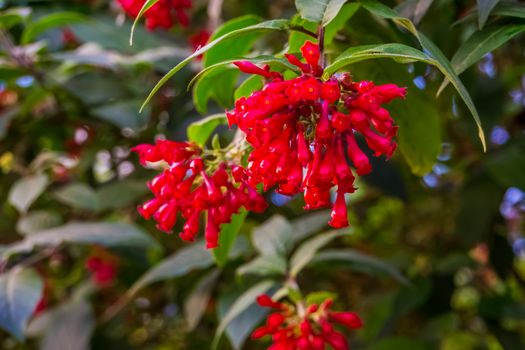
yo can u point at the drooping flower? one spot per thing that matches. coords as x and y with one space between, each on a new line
189 188
311 326
163 14
304 131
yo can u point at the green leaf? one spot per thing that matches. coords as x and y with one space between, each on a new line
273 25
481 43
340 21
484 9
78 196
120 194
306 252
441 62
196 303
264 265
264 59
106 234
399 52
399 343
309 224
240 328
14 16
273 237
26 190
36 221
53 20
361 262
231 49
319 11
319 297
249 85
183 261
200 131
20 292
242 303
510 9
147 5
122 113
227 237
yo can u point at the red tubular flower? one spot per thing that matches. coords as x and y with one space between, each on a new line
250 68
163 14
188 188
310 330
301 136
339 216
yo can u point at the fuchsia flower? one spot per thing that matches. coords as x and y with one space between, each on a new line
188 188
307 125
302 327
163 14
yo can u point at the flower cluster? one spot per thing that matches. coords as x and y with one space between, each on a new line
163 14
189 186
303 131
305 328
103 268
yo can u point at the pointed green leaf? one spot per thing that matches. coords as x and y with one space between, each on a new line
53 20
246 300
26 190
273 25
200 131
227 237
264 265
147 5
481 43
319 11
196 303
484 9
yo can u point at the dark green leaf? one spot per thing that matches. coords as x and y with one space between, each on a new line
481 43
20 292
340 21
227 237
361 262
507 167
53 20
14 16
251 84
78 196
241 304
484 9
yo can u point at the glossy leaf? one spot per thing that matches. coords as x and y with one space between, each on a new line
147 5
242 303
105 234
26 190
306 252
227 237
20 292
35 28
273 237
361 262
441 62
481 43
200 131
264 265
273 25
196 303
319 11
484 9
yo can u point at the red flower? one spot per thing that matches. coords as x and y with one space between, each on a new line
103 268
188 188
198 40
293 328
163 14
303 137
